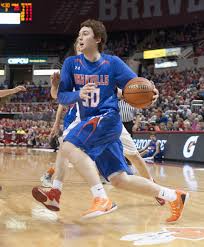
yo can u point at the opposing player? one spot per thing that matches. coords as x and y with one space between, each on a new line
95 76
152 150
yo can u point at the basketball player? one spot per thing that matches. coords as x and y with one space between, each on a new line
130 150
152 149
94 76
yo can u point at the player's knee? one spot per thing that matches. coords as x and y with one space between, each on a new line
72 153
133 156
67 148
119 180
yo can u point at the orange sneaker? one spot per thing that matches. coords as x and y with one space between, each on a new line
99 207
177 206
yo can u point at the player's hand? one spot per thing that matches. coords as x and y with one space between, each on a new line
156 94
55 130
19 89
86 90
55 79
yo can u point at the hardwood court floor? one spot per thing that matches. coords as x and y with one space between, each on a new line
24 222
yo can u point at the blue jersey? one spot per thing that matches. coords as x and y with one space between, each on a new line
152 145
107 73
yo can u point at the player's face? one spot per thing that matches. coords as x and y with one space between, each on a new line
153 137
87 41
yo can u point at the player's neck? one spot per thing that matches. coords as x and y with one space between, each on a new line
92 56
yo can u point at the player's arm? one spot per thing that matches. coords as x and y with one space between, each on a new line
65 93
56 125
6 92
157 149
124 74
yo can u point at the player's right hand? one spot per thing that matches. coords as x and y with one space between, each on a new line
55 79
86 90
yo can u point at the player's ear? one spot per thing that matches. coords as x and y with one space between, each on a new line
98 40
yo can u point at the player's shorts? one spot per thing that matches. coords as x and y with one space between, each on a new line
112 161
129 147
99 137
67 129
71 126
94 134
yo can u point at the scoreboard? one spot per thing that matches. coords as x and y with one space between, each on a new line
23 7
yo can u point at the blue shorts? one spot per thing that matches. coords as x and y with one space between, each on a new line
98 136
112 160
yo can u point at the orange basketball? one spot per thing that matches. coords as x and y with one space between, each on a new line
138 92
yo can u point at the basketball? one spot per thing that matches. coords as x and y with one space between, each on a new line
138 92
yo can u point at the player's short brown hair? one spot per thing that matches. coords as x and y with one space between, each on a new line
99 31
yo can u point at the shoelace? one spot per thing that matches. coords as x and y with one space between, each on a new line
174 209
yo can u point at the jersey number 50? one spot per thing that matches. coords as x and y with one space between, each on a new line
95 98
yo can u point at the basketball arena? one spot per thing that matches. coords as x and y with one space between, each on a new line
101 137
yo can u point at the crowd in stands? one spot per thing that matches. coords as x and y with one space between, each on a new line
124 44
25 133
4 84
187 34
199 50
48 107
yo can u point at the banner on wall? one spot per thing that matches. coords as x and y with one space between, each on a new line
182 146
